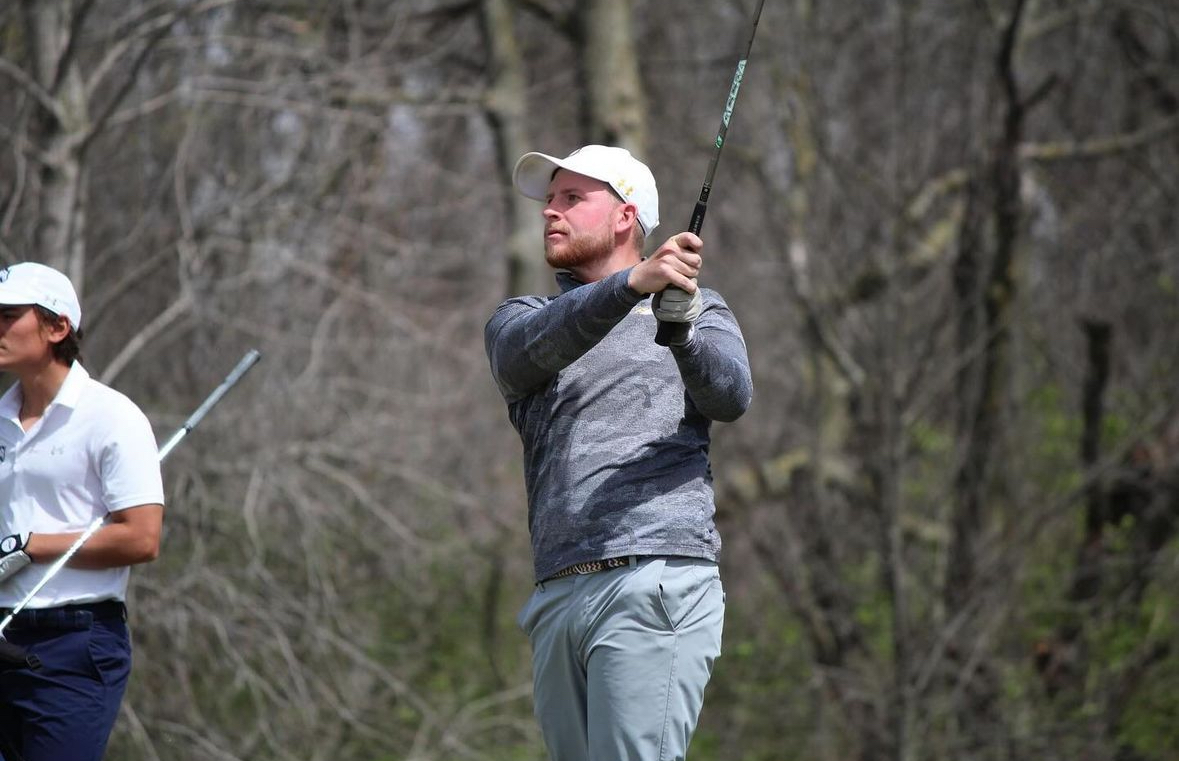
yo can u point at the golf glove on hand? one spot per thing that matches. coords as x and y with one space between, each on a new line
676 305
12 555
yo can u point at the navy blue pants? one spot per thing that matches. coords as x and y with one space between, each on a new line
65 710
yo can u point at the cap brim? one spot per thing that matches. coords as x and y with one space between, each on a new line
533 173
11 297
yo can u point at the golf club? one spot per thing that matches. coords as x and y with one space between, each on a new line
12 656
674 332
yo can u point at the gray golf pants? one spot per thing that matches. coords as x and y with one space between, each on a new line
620 658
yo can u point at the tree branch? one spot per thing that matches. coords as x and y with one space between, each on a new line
156 29
40 94
154 328
67 55
562 22
1101 147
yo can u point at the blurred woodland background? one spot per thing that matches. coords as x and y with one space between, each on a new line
948 228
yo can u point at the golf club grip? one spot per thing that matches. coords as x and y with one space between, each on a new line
675 332
671 332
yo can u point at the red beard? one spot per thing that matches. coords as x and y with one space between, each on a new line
579 249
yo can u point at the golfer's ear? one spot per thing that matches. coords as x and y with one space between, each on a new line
628 215
59 329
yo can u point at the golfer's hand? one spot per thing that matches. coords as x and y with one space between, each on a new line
674 264
13 557
675 305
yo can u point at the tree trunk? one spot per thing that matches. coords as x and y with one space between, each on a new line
982 423
60 186
611 64
507 109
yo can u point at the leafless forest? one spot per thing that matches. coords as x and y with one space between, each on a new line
948 228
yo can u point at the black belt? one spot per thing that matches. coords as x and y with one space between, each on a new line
102 611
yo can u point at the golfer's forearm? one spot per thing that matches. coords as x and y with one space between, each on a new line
715 369
112 546
527 345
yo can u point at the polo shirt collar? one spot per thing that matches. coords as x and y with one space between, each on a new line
71 390
10 402
67 396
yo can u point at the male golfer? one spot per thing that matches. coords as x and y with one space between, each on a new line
71 450
625 620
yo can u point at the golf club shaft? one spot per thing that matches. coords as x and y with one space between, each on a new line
669 331
249 360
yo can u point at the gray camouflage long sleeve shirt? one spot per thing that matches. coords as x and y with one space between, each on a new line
615 427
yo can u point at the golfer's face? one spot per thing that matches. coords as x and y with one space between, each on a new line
23 340
576 204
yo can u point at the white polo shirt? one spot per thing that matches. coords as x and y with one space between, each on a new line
92 453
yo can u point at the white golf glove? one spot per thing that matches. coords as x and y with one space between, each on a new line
13 557
676 305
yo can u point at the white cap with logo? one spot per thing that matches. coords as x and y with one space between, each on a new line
32 283
629 177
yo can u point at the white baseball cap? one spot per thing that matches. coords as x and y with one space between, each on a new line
629 177
32 283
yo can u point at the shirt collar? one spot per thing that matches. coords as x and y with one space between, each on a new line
567 282
71 389
67 396
10 402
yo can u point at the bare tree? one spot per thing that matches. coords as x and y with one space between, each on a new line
949 519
